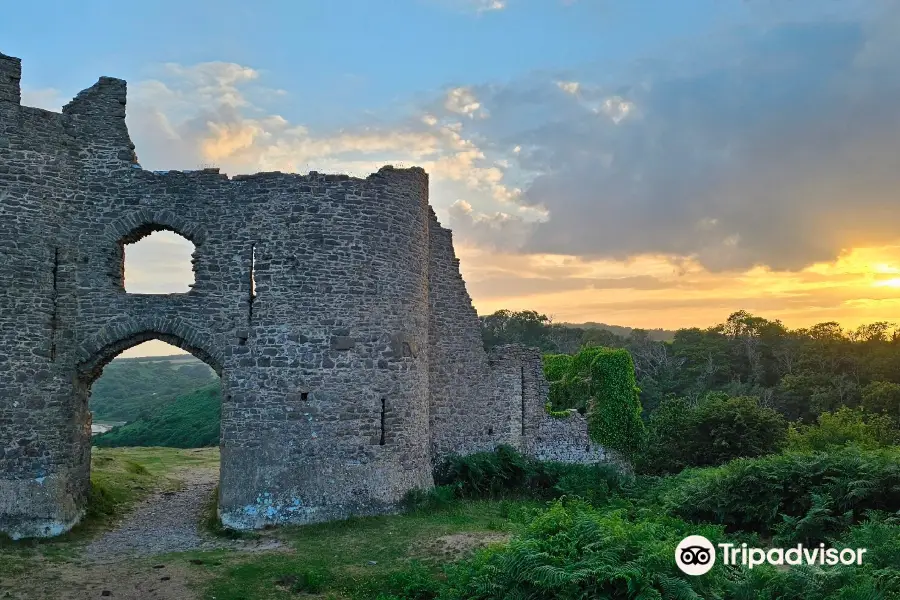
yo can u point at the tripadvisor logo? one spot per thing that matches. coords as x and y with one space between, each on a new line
696 555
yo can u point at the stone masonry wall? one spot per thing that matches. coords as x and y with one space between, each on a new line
354 366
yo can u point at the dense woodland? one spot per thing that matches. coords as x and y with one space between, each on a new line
801 373
192 420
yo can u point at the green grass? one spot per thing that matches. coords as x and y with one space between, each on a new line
336 558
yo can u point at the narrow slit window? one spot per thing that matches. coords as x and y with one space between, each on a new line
253 272
522 395
252 284
383 403
54 319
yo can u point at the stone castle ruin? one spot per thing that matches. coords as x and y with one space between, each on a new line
332 307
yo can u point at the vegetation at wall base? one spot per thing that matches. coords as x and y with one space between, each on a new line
543 530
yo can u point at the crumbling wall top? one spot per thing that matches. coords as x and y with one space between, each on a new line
10 77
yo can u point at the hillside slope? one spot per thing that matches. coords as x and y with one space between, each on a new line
131 388
191 421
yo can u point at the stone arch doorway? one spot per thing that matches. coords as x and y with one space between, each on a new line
107 345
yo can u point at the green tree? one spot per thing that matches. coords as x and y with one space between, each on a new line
882 397
846 426
712 432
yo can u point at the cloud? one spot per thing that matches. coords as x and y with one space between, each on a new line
486 5
498 230
220 114
569 87
46 98
778 147
473 6
601 197
462 101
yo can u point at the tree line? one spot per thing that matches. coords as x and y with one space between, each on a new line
802 373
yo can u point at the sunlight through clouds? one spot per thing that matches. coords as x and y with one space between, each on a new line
670 198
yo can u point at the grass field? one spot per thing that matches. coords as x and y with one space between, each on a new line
343 560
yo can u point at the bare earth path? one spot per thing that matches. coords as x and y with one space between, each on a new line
124 562
164 522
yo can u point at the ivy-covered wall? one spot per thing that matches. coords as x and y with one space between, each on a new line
600 383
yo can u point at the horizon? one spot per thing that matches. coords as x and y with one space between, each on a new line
595 164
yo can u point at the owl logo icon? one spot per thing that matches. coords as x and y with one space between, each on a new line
695 555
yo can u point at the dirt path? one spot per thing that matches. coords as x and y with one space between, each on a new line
120 563
164 522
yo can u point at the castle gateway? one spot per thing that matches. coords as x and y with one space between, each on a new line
332 307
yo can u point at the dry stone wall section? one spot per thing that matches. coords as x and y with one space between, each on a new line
332 308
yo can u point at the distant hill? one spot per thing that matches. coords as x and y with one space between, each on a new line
190 421
130 388
657 335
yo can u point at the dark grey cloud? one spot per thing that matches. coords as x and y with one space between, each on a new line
777 147
512 285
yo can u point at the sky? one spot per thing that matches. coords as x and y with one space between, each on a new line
645 163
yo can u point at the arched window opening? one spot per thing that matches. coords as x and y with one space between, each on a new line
157 261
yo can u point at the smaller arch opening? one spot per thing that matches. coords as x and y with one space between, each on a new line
156 259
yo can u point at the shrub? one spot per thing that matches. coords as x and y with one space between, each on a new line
573 551
845 426
713 432
558 396
556 366
437 498
505 473
876 579
801 496
614 418
486 474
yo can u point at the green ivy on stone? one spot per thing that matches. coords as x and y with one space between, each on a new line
600 382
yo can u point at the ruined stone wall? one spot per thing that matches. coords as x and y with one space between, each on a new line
43 433
356 359
565 439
